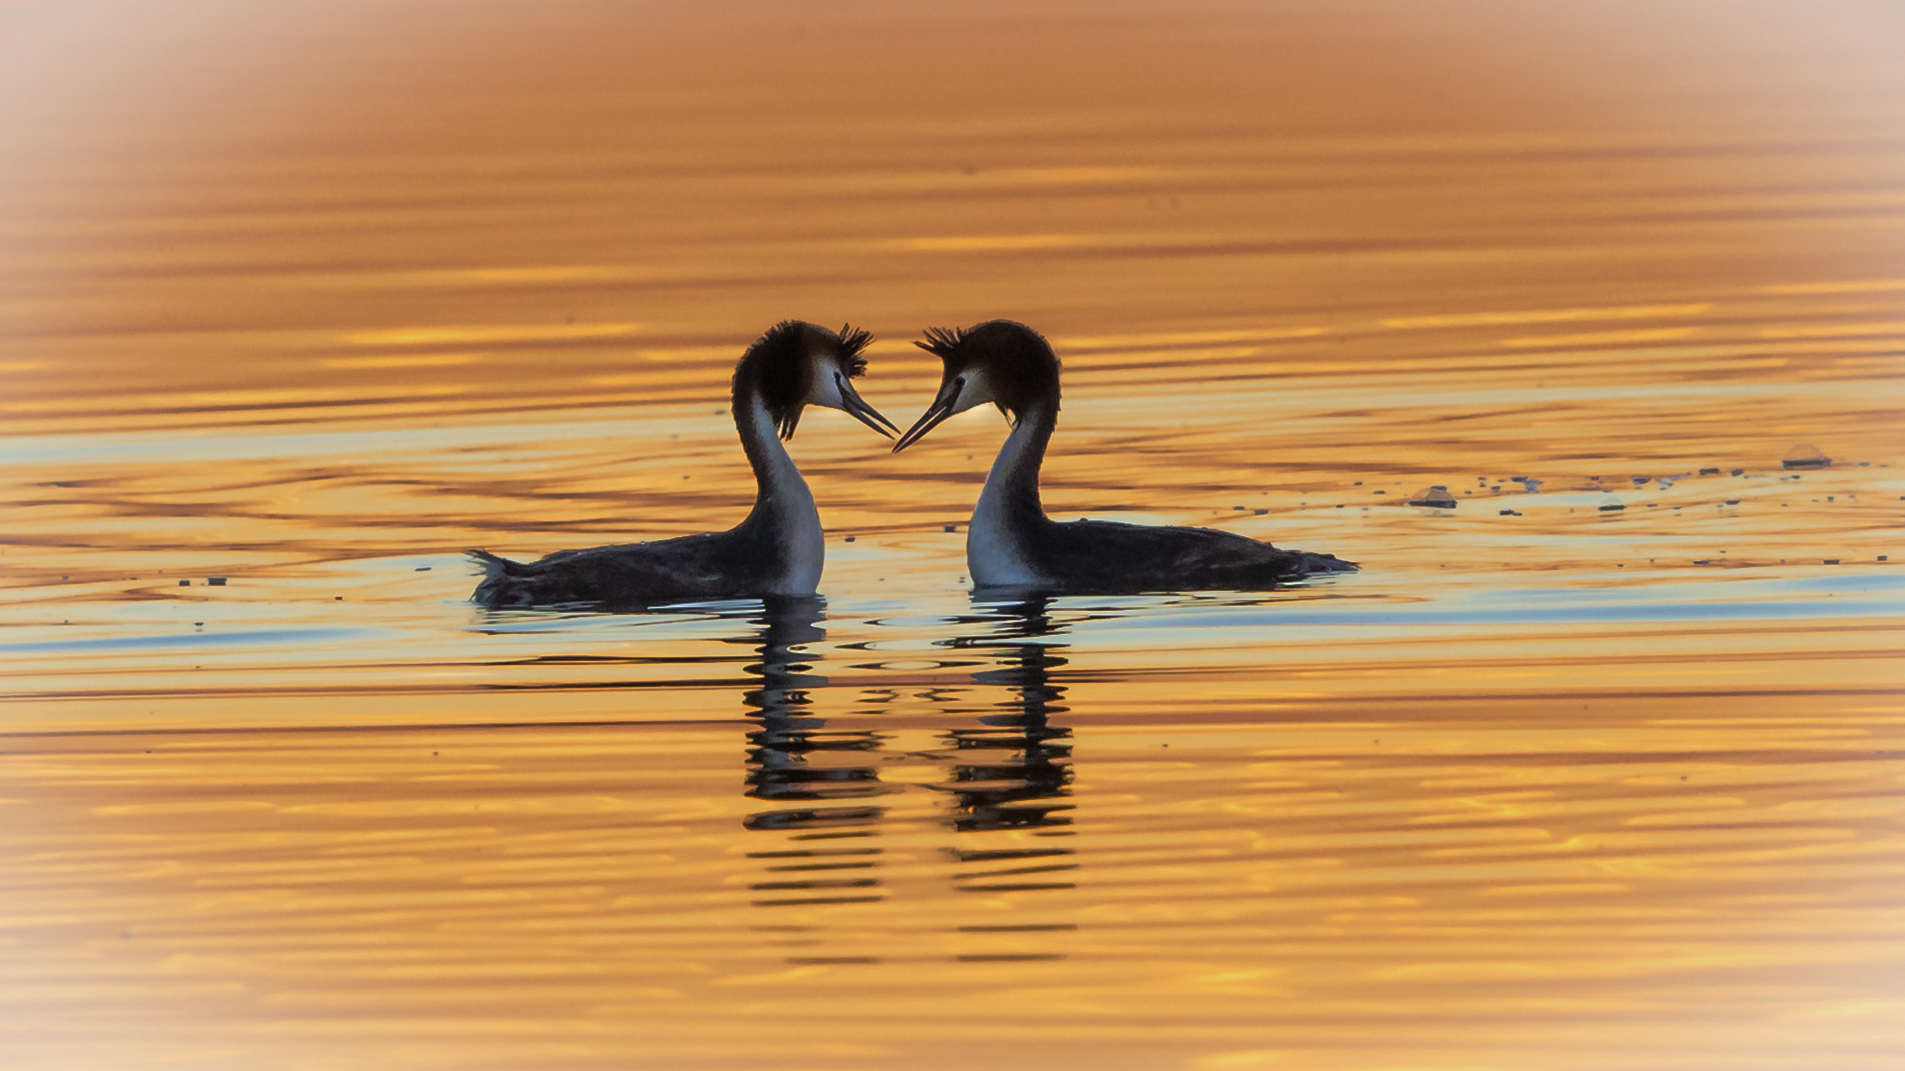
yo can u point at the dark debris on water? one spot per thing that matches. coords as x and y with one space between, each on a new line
1805 456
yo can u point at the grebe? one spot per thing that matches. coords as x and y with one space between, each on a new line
1011 544
777 550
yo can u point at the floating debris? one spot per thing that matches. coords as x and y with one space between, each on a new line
1804 456
1640 480
1710 472
1739 472
1510 513
1436 497
215 581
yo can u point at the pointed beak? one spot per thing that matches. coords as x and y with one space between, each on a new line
860 410
941 408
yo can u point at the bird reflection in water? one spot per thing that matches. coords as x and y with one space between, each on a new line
794 762
1013 772
1008 779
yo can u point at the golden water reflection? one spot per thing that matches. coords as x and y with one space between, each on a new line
1333 881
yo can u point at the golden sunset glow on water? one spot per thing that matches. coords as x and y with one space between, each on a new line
1598 768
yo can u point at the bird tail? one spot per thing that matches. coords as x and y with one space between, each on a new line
1310 563
499 575
493 565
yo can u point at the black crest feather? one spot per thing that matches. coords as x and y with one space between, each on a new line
852 341
943 341
775 365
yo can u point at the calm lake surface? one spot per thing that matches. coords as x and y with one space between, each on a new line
1600 768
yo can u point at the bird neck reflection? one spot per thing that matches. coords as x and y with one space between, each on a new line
1015 768
787 624
805 770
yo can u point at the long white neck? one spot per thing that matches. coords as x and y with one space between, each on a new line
782 503
999 550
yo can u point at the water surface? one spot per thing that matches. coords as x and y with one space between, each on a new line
1598 768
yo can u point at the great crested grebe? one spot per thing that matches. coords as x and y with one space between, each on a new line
1012 544
777 550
